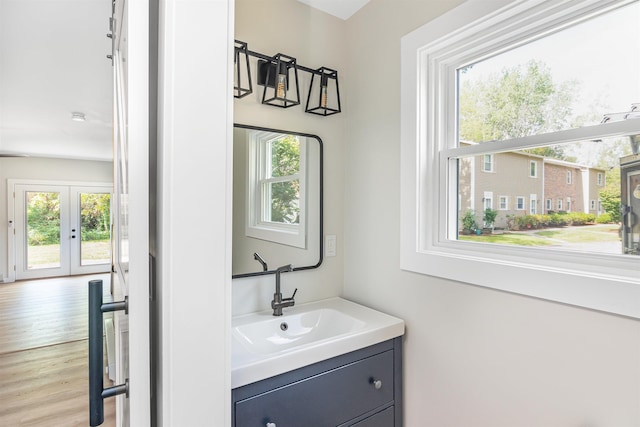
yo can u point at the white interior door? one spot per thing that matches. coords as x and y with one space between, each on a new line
60 229
130 26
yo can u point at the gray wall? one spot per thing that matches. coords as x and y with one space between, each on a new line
473 356
43 169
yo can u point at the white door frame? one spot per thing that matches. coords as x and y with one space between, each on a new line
131 125
15 210
195 144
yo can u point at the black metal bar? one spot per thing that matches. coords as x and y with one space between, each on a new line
97 393
96 404
116 390
116 306
273 61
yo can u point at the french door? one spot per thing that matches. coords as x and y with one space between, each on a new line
61 230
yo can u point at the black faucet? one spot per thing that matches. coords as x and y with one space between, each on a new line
278 303
258 258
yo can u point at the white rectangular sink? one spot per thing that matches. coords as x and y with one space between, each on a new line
264 345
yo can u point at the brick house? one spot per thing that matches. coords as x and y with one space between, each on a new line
520 183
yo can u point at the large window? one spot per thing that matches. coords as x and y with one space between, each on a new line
501 81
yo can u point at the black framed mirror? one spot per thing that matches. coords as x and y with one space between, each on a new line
277 200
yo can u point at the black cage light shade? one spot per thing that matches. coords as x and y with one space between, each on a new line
324 93
242 73
281 87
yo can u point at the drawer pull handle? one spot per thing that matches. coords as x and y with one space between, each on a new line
376 383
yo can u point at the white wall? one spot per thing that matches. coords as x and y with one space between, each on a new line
256 23
45 169
194 157
473 356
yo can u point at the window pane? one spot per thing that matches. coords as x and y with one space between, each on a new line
580 214
284 199
285 156
538 88
43 230
95 247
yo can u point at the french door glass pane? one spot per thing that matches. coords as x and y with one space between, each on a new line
95 246
43 230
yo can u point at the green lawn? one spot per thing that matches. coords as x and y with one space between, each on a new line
93 252
508 239
586 233
566 236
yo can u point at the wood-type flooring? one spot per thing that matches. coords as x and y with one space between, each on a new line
44 378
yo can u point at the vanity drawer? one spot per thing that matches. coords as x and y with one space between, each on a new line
327 399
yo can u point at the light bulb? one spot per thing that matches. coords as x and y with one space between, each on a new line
323 91
323 97
282 83
636 192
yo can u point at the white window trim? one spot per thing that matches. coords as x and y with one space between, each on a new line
535 169
601 282
286 234
490 163
506 203
533 204
569 177
521 206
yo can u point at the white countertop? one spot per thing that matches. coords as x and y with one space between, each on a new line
250 364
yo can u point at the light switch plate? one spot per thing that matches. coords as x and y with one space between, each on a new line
330 244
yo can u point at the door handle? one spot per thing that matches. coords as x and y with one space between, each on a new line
97 393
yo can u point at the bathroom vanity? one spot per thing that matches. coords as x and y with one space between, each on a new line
322 364
362 388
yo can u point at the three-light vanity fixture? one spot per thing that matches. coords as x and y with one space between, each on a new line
279 76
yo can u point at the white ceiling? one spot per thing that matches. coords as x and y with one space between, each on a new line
343 9
52 63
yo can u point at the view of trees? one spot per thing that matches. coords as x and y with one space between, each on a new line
285 196
95 215
43 217
516 102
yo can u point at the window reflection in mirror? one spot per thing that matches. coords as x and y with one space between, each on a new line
277 200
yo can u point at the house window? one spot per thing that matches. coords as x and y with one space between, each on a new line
549 205
592 205
560 205
533 204
504 203
487 200
277 180
460 76
569 177
568 204
600 179
487 163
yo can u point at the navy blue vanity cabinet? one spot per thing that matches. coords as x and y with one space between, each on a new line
358 389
